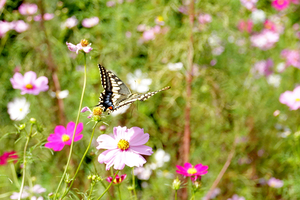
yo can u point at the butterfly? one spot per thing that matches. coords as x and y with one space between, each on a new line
116 94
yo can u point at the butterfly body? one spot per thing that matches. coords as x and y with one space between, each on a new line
116 94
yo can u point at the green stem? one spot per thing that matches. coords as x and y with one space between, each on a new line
82 159
14 174
92 186
175 194
133 184
77 120
110 197
109 185
119 192
24 162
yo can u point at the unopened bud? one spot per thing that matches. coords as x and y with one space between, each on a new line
32 120
176 184
22 126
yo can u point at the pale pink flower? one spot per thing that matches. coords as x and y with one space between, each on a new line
183 9
291 98
295 1
90 22
35 190
70 22
141 27
150 34
204 18
83 45
2 3
28 9
128 34
265 40
270 25
110 3
20 26
292 57
264 67
280 4
245 26
29 84
46 17
249 4
4 27
124 147
275 183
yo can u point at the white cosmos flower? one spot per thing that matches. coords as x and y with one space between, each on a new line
258 16
161 157
175 66
18 109
138 81
36 189
59 94
274 80
143 173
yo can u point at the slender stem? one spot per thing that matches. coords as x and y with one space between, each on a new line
77 120
109 185
110 197
175 194
24 162
133 183
119 192
82 159
13 171
92 186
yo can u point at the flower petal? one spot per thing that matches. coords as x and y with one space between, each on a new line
144 150
106 142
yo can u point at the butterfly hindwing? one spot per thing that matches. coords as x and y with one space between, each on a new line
116 94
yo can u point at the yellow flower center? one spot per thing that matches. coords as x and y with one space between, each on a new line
298 99
97 111
192 170
21 109
160 19
84 43
65 138
138 81
29 86
123 144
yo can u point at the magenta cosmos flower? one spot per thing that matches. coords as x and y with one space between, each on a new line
28 9
291 98
63 136
280 4
193 171
117 180
124 148
83 45
11 155
29 83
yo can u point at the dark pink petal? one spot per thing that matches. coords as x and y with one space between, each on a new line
60 130
78 137
54 138
71 126
144 150
109 179
188 166
56 146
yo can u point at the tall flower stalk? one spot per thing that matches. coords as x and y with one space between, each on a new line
77 120
109 185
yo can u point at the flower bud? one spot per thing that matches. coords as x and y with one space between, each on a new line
22 126
176 184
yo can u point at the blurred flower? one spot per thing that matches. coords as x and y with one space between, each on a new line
264 67
269 25
142 173
213 62
280 67
2 3
296 26
204 18
159 20
280 4
249 4
175 66
138 82
128 34
110 3
20 26
183 9
37 189
6 156
18 109
292 57
70 22
125 147
150 34
63 136
192 171
176 184
102 128
46 17
291 98
97 111
295 1
264 40
214 40
4 27
29 84
276 113
165 174
83 45
161 157
59 94
90 22
141 27
27 9
275 183
214 194
217 50
245 26
120 111
274 80
258 16
117 180
236 197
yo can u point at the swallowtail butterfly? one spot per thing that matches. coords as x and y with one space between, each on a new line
116 94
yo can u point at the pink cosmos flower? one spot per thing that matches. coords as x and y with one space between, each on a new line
249 4
291 98
29 83
28 9
192 171
83 45
264 40
71 22
4 27
150 34
6 156
46 17
90 22
20 26
275 183
117 180
124 148
292 57
2 3
110 3
245 26
280 4
263 67
63 136
204 18
236 197
269 25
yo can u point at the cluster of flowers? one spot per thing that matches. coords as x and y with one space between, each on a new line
149 33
